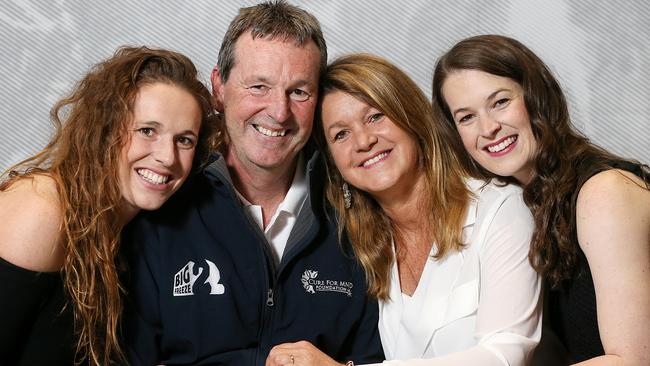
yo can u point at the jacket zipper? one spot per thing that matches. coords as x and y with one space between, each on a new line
267 315
269 298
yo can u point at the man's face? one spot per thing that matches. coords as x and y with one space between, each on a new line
268 101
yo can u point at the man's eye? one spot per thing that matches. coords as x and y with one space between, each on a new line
299 95
258 89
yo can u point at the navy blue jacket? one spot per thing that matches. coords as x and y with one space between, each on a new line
204 290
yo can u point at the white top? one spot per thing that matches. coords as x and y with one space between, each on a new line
282 222
481 306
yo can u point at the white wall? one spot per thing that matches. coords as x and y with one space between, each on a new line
599 50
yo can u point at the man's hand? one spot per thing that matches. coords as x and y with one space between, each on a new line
300 353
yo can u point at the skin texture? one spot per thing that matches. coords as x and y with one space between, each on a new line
31 219
489 110
613 222
163 136
303 353
274 86
357 133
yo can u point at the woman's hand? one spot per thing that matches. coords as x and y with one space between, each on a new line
300 353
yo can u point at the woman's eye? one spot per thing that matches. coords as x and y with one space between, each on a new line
185 142
465 118
501 102
340 135
146 131
376 117
299 95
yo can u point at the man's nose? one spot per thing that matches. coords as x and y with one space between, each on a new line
279 106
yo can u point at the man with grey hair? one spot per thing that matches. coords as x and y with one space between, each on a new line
247 255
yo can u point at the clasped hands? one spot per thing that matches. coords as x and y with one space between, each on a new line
300 353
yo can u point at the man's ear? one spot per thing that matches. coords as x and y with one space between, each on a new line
217 89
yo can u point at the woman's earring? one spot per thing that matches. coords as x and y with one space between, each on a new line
347 195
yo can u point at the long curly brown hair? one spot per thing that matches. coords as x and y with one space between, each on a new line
565 158
385 87
82 158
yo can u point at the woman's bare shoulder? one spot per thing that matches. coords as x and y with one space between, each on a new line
31 218
613 189
613 203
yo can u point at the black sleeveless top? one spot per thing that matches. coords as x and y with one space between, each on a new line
34 327
572 307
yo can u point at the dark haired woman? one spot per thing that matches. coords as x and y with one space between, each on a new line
591 208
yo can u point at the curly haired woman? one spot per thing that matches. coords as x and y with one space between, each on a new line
126 139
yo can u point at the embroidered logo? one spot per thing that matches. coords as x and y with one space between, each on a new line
213 280
184 279
312 284
308 276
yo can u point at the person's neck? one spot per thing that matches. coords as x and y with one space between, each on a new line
126 213
406 209
266 188
412 232
526 175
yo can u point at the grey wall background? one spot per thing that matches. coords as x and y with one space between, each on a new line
600 51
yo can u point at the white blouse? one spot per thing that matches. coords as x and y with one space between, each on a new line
479 306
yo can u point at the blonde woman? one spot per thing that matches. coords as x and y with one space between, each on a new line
445 254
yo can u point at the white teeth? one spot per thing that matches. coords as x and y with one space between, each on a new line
369 162
268 132
153 177
505 143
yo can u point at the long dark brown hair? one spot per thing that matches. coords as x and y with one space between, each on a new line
565 159
82 158
385 87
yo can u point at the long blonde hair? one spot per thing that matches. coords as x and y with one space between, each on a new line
385 87
82 158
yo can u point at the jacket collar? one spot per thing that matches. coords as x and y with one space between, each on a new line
307 223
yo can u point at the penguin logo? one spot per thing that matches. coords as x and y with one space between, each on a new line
213 279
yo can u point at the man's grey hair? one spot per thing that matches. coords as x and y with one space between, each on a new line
272 20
